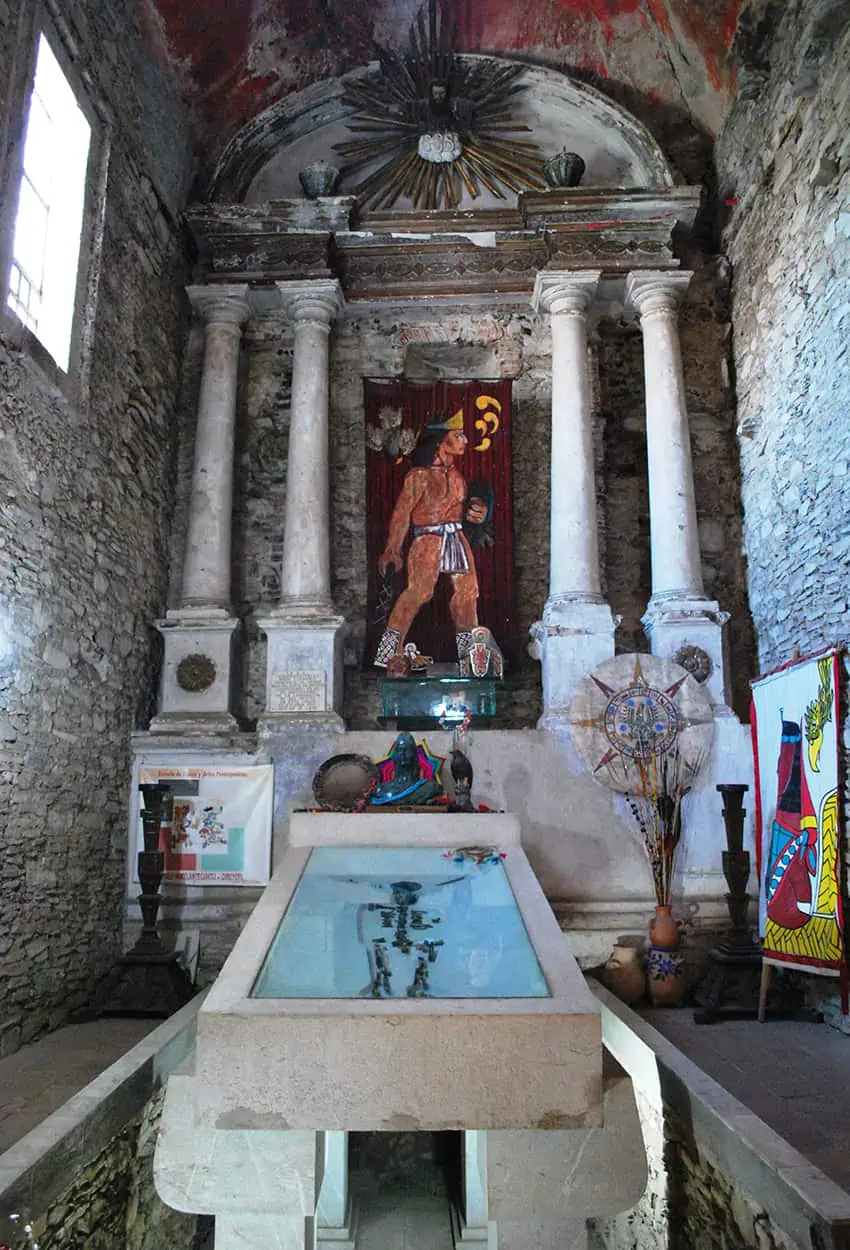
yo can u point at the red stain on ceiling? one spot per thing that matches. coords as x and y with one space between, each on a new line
232 58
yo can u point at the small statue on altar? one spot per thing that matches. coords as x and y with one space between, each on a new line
406 778
462 776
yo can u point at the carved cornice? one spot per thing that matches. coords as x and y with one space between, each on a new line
613 245
439 254
543 210
450 268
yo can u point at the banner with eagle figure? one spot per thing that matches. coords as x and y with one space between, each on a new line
795 726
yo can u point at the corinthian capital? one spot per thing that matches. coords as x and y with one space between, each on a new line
318 302
656 290
565 291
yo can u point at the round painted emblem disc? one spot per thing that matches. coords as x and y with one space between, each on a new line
640 722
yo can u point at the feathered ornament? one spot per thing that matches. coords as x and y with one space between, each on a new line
390 436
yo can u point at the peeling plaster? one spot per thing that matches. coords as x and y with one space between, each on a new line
234 58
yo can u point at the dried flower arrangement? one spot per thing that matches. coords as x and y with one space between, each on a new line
662 783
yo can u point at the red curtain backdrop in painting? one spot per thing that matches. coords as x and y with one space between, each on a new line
488 458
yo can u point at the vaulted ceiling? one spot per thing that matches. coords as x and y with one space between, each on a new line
232 58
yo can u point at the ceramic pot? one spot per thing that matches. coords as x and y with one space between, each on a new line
565 169
319 178
665 977
623 974
663 930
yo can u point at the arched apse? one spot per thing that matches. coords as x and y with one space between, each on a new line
262 161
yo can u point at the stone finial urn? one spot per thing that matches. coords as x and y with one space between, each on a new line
565 169
319 178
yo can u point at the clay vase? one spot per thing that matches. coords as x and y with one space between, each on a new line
623 974
663 930
664 960
665 977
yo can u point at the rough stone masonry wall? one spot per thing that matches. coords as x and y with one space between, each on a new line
691 1202
85 502
509 342
111 1202
784 158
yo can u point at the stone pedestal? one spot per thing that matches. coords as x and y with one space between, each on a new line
195 683
679 617
577 629
336 1213
691 632
536 1190
572 639
303 666
261 1184
198 635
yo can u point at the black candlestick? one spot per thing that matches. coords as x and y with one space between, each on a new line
734 970
148 980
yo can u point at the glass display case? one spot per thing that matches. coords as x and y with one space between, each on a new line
417 702
402 922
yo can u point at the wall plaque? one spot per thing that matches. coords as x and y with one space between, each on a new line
298 690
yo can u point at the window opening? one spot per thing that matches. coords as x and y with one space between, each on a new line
49 222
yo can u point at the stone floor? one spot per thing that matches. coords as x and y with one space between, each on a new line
39 1078
793 1074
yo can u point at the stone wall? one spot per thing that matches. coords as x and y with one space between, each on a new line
85 508
111 1201
507 342
783 163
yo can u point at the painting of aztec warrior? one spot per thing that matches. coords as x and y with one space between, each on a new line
801 885
447 519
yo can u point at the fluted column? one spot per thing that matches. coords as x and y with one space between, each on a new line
206 567
305 582
577 629
198 634
679 617
304 670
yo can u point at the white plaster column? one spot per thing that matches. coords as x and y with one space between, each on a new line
678 616
303 671
305 584
206 568
577 629
198 635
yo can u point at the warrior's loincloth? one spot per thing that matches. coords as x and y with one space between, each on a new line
453 557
